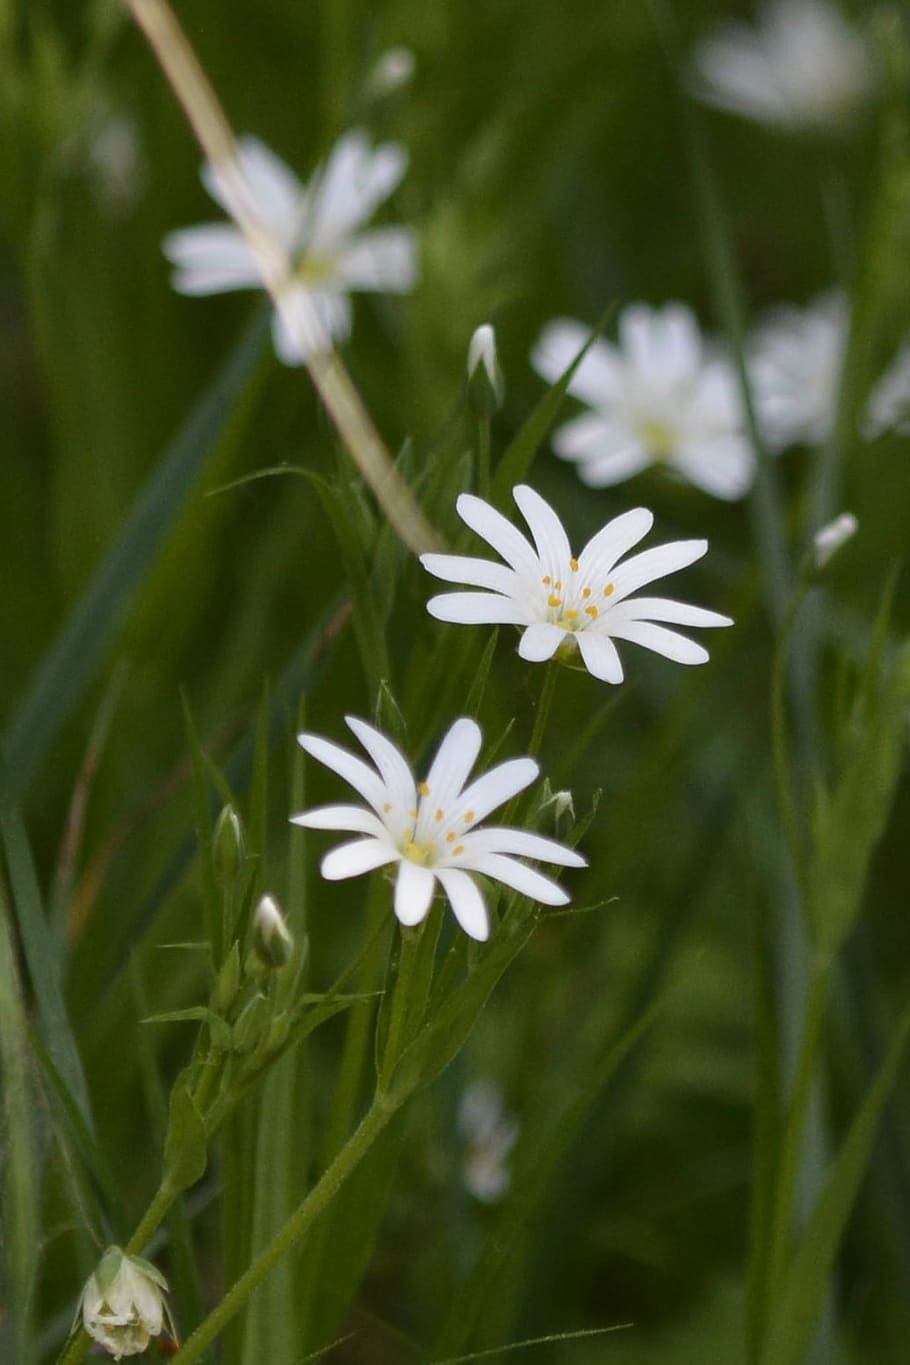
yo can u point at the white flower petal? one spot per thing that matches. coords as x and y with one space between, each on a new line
595 381
353 818
453 762
493 527
466 901
656 563
723 468
664 609
413 892
552 543
476 609
661 641
273 188
347 765
356 179
474 573
394 771
527 880
600 656
493 839
604 550
358 856
540 641
382 260
496 787
210 259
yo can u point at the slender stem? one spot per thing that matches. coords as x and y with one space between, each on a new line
483 456
783 770
180 65
544 702
376 1119
396 1037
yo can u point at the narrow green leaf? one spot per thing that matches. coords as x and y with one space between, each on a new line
212 909
186 1143
73 658
805 1285
516 461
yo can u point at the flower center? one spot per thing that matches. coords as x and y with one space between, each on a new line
573 603
658 437
314 269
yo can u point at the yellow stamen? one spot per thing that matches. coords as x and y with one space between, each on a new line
592 612
423 789
439 815
586 592
451 837
558 586
387 807
571 615
608 590
574 563
546 579
412 814
459 849
554 601
469 816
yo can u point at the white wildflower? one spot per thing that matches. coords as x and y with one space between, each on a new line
801 66
831 538
394 68
565 603
658 397
489 1134
429 828
317 230
888 408
795 364
117 162
123 1304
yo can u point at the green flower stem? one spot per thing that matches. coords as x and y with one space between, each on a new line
376 1119
783 768
483 456
543 707
795 1126
397 1037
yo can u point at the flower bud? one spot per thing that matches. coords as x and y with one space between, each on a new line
828 541
123 1304
272 939
486 387
228 847
227 982
393 69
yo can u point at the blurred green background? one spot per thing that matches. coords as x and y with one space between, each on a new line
550 175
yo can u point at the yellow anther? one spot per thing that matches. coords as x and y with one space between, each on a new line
423 789
387 807
546 579
412 814
459 849
571 615
608 590
468 816
451 837
592 612
439 815
574 563
554 601
558 586
586 592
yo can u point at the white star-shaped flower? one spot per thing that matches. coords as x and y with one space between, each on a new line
795 366
318 229
429 828
658 397
888 408
565 603
801 66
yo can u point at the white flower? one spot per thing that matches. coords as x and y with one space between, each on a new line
795 366
829 540
657 398
123 1304
564 602
393 69
429 828
317 228
489 1135
802 66
889 402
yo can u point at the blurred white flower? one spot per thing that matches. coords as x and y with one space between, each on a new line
831 538
566 603
888 408
393 69
486 386
659 397
489 1134
796 358
801 66
271 936
317 228
117 164
429 828
123 1304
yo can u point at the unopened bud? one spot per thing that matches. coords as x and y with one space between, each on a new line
123 1304
272 938
393 69
228 848
227 982
828 542
486 387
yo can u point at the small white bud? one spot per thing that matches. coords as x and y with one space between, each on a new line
273 939
489 1134
562 803
486 386
829 540
123 1304
393 69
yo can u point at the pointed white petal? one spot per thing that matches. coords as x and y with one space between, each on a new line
453 762
466 901
393 769
552 543
356 179
353 818
475 573
476 609
662 641
604 550
663 609
493 527
540 641
273 188
597 379
413 892
496 787
656 563
384 260
527 880
599 656
493 839
347 765
724 468
358 856
216 254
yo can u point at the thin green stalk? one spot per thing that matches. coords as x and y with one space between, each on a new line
783 769
397 1037
483 456
376 1119
544 703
